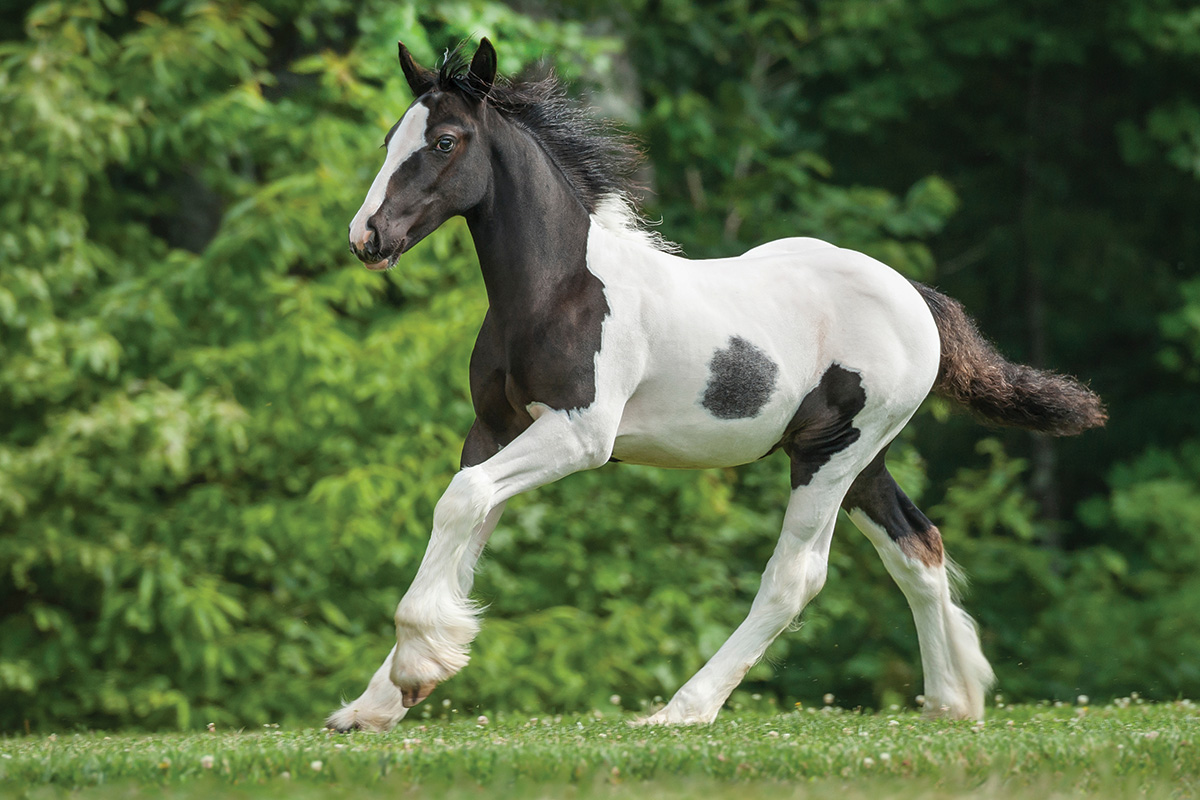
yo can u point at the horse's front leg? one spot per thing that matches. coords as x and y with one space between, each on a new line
436 620
381 706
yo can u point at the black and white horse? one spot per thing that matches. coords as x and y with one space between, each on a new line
600 343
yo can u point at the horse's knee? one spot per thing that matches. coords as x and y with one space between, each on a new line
466 501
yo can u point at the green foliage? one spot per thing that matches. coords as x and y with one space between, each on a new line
207 442
221 441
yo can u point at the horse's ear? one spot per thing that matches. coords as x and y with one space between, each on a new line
483 65
420 80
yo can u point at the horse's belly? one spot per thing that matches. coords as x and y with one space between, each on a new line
716 394
655 452
694 440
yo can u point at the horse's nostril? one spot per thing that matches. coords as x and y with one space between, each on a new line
365 243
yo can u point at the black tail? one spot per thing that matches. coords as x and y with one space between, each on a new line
973 373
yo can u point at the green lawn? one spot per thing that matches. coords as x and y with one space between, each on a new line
1125 750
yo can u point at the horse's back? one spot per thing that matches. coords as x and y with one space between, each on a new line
793 245
806 298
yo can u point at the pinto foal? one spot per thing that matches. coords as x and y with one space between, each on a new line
601 343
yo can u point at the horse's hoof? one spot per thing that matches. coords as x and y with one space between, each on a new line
350 718
665 717
410 697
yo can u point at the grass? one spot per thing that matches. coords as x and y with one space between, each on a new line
1122 750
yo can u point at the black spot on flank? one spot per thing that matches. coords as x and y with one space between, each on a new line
740 381
823 424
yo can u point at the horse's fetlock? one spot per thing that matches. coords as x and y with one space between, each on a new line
421 660
683 710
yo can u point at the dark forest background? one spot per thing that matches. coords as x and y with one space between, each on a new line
221 439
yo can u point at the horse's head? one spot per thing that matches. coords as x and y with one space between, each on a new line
437 163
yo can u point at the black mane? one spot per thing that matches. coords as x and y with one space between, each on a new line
598 159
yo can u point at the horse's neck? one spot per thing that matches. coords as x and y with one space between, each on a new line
530 231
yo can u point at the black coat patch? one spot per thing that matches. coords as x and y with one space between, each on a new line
875 493
544 326
823 424
740 381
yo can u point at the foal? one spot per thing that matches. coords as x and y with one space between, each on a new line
601 344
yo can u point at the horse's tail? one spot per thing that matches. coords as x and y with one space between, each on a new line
973 373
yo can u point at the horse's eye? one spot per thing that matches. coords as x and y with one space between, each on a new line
444 144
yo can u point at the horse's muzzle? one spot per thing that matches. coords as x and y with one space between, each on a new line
368 251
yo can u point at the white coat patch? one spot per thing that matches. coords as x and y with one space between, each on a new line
408 139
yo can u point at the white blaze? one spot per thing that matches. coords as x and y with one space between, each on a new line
408 138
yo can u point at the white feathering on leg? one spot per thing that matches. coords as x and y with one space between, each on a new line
378 709
436 621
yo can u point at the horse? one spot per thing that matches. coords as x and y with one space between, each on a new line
602 343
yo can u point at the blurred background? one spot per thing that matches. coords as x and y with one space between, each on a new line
221 439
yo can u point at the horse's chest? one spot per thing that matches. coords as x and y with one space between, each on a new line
546 356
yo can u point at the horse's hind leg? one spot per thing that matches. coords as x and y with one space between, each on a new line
957 676
377 709
794 575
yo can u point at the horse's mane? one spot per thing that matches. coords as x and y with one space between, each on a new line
598 159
